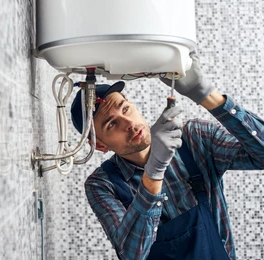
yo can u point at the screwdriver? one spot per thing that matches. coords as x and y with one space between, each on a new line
171 100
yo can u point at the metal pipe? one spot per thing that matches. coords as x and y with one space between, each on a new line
41 217
87 158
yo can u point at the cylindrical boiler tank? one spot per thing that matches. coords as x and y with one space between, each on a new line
122 37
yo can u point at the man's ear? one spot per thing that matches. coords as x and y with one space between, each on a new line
100 146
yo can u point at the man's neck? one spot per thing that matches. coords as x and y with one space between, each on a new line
139 158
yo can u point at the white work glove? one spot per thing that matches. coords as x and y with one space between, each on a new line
193 85
165 139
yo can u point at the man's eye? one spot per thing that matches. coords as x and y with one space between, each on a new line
110 125
125 109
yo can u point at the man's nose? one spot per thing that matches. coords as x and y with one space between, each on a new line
128 124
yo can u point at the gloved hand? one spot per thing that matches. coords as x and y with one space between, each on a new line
165 139
193 85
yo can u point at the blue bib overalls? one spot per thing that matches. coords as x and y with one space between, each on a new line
192 235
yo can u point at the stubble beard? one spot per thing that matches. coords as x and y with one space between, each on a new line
131 147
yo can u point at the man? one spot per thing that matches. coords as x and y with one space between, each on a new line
150 202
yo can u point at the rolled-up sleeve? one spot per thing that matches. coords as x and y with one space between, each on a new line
248 129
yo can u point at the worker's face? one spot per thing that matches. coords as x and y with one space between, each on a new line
120 126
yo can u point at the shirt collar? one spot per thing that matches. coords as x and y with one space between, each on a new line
127 168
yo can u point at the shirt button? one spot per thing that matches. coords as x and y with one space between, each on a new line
159 203
254 133
155 229
233 111
166 198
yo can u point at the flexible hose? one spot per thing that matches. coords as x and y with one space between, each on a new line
62 125
92 131
63 150
93 142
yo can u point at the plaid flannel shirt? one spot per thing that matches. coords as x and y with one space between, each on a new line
239 145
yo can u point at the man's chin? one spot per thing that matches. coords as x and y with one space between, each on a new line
135 149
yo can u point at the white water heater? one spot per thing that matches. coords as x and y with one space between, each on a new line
117 36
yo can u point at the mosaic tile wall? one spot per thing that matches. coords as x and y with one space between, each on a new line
230 37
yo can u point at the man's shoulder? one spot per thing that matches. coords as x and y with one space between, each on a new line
96 176
200 121
202 124
100 173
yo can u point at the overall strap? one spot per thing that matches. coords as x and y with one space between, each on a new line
116 177
196 179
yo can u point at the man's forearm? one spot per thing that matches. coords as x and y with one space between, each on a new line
152 186
214 100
